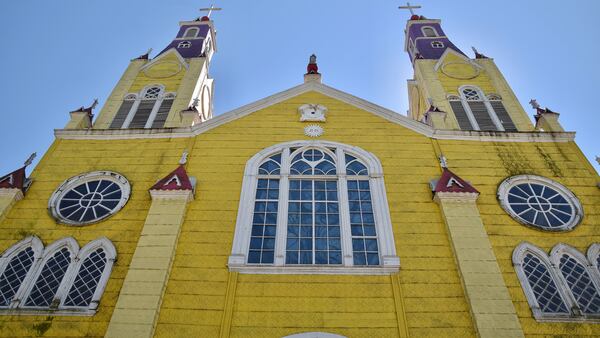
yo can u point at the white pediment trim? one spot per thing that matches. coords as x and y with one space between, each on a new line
164 55
392 116
449 51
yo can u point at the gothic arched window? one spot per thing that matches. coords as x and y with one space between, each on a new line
147 109
475 111
313 206
561 286
61 278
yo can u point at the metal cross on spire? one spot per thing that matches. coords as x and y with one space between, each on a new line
210 9
410 8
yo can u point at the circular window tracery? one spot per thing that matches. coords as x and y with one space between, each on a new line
540 202
89 198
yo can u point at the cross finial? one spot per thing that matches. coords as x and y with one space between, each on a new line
534 104
183 159
210 9
443 161
410 8
30 159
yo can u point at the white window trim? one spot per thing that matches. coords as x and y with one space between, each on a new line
74 181
486 102
508 183
552 264
434 32
159 99
592 256
41 257
184 35
436 42
389 261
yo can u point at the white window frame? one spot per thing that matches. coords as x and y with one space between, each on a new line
38 249
138 99
17 306
185 36
74 181
552 264
486 102
510 182
433 29
184 44
592 256
441 44
389 261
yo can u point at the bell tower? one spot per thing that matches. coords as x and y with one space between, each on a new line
451 90
172 89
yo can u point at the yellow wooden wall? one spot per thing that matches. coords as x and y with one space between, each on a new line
486 165
197 296
142 162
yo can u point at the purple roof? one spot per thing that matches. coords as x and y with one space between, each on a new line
195 44
423 44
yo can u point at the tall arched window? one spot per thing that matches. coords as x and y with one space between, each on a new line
474 111
15 265
315 207
561 286
148 109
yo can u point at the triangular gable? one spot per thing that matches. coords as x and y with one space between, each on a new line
331 92
450 182
14 180
450 51
178 179
164 55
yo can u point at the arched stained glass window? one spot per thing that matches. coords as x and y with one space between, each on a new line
313 205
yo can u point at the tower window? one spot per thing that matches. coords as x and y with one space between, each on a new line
148 109
437 44
321 201
191 32
184 44
429 32
562 286
475 111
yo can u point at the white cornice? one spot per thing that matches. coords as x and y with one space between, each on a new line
421 128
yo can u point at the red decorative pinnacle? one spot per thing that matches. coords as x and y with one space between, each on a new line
450 182
14 180
178 179
312 67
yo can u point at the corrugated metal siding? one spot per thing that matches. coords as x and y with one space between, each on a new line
142 114
461 115
163 112
117 122
482 116
502 114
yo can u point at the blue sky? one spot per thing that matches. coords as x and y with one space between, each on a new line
59 55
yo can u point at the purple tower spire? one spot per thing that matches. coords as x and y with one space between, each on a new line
425 39
194 38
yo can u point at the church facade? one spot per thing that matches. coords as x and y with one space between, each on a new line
309 213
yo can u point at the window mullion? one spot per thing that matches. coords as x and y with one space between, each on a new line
282 209
134 108
154 111
314 215
563 287
344 210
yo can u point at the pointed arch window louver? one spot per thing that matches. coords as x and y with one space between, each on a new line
475 111
561 286
147 109
314 209
61 278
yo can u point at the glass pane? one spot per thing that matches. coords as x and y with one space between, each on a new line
540 205
264 222
543 286
14 274
49 279
362 223
580 283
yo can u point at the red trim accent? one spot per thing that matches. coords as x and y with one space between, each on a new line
168 183
17 181
447 175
